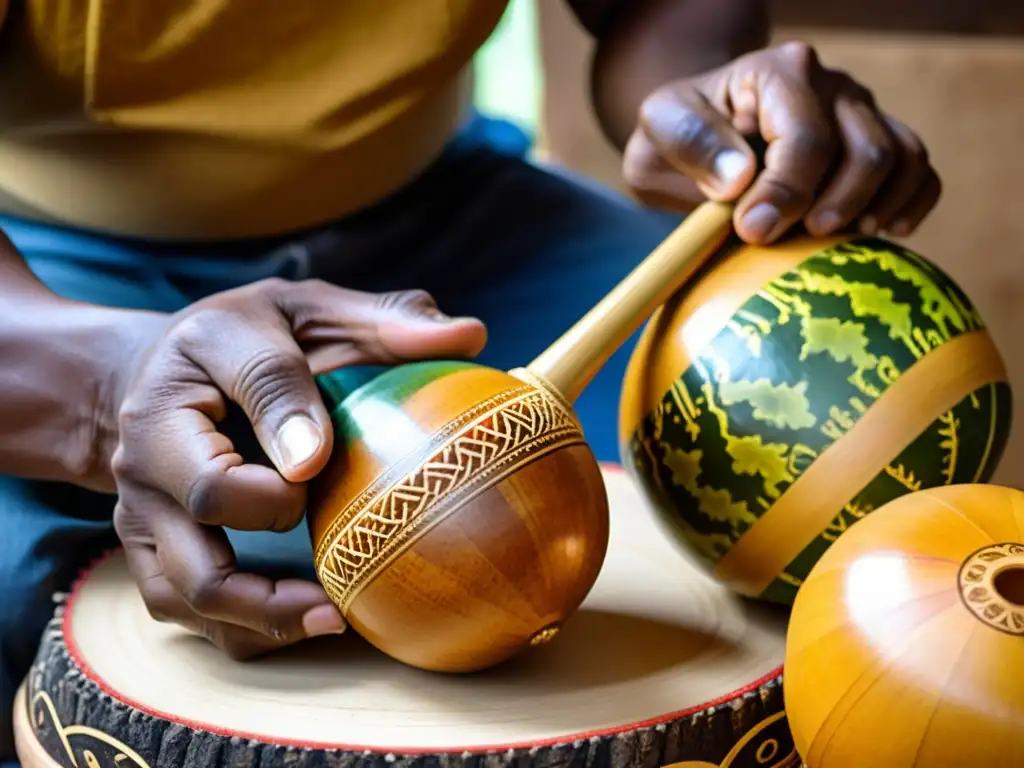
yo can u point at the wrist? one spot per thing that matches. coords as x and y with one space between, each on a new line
117 339
67 369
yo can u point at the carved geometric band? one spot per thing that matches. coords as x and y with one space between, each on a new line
466 457
978 589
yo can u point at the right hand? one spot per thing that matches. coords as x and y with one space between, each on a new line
180 481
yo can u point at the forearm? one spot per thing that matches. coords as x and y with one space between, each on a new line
645 44
57 359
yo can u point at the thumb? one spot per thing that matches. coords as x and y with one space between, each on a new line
699 141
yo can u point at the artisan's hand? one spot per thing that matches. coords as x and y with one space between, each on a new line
180 480
833 161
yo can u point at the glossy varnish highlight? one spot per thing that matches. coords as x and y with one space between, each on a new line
906 642
462 518
791 390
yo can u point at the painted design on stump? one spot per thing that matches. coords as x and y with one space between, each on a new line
466 457
790 374
78 745
981 592
769 745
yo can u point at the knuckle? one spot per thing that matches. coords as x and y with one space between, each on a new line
192 330
271 286
873 158
158 605
410 299
800 55
121 466
636 173
917 151
312 284
133 412
790 197
267 377
129 525
203 495
815 140
202 592
682 127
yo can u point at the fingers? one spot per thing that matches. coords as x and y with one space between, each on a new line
336 326
833 161
868 156
654 181
802 145
694 138
254 360
179 453
911 192
265 360
186 574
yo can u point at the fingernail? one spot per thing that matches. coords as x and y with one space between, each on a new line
730 165
869 225
900 228
827 221
761 221
297 441
323 620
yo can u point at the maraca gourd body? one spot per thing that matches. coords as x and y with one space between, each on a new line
462 517
789 391
906 642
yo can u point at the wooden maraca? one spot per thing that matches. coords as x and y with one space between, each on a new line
788 391
462 517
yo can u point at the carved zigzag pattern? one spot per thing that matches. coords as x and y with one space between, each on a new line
483 448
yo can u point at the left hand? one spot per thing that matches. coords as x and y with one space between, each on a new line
834 160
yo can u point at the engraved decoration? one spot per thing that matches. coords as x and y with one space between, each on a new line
469 455
79 745
789 375
768 745
978 591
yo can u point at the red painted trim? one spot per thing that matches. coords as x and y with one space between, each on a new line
89 672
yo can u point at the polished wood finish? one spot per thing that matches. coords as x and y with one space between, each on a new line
462 517
435 526
501 574
791 390
906 642
571 362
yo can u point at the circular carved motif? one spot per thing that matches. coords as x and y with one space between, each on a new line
979 592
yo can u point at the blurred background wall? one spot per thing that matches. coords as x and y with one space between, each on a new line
951 69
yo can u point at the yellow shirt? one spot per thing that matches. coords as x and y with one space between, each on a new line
226 118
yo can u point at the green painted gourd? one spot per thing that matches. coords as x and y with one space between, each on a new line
788 391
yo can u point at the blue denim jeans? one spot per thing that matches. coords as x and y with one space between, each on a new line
527 250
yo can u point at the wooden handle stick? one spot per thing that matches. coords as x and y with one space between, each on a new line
573 360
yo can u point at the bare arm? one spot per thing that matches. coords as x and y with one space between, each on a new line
644 44
55 362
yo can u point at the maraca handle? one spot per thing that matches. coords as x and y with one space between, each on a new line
573 360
